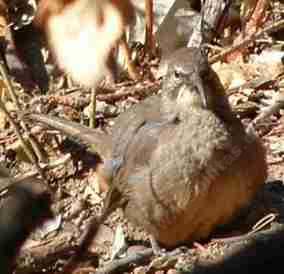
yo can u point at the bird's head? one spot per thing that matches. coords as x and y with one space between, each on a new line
189 82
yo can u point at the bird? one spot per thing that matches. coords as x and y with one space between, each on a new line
179 163
25 206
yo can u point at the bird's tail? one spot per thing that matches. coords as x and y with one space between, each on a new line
99 141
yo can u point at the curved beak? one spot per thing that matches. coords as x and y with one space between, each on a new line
201 91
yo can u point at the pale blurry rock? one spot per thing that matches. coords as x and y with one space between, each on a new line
83 33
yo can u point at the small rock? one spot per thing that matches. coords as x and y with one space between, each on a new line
173 271
140 270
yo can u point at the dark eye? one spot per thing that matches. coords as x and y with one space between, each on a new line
177 74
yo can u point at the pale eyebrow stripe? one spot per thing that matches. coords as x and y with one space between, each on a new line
181 69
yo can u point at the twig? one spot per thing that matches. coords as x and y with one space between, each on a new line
149 39
135 258
93 108
267 219
9 86
54 164
254 234
27 149
275 162
131 69
14 98
7 182
274 27
109 96
277 104
141 91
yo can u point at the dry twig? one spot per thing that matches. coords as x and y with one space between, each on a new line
274 27
28 151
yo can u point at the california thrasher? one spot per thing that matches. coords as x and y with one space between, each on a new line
179 163
26 206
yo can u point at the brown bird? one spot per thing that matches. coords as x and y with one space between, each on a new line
26 206
179 163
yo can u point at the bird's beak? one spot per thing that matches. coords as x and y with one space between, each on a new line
202 93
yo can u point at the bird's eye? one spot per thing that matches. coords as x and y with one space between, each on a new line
177 74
